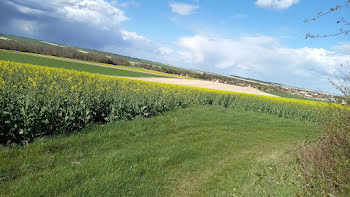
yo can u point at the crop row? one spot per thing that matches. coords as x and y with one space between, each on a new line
41 101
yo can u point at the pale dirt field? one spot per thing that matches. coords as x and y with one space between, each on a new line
205 84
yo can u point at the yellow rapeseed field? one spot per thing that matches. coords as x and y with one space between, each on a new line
37 101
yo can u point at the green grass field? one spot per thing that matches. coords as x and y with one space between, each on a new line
198 151
286 95
43 61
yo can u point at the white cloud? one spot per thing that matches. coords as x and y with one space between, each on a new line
343 48
276 4
165 50
127 35
261 57
24 9
96 12
129 4
92 24
182 8
125 4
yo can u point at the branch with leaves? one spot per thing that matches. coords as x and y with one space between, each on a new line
341 21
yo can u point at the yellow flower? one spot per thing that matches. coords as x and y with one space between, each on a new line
2 82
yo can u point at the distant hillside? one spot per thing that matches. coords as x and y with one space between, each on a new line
42 47
133 61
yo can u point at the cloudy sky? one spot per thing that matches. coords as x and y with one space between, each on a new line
261 39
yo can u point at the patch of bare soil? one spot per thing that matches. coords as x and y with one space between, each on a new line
205 84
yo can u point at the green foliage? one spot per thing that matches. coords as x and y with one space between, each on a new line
326 164
38 101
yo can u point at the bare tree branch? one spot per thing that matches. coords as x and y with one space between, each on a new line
320 14
341 21
308 35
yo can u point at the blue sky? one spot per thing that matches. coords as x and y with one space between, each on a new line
261 39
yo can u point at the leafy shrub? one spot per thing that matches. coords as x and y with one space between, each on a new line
326 163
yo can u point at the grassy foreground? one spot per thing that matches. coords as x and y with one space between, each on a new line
198 151
44 61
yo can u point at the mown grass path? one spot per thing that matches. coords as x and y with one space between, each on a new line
198 151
